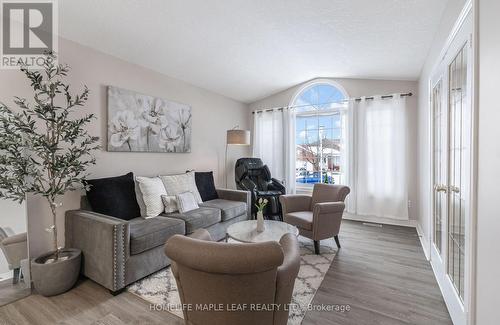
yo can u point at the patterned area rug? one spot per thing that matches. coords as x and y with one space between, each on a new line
161 290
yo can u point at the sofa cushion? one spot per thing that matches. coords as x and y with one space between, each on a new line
149 191
176 184
301 219
114 196
229 209
146 234
206 186
186 202
198 218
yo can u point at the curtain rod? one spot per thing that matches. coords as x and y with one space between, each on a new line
337 102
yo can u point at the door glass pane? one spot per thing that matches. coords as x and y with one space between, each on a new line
457 153
439 163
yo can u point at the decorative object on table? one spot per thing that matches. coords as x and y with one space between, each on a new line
244 231
139 123
161 289
237 137
261 204
318 216
46 151
252 175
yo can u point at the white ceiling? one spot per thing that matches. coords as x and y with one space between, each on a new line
249 49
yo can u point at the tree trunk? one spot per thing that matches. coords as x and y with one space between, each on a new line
53 209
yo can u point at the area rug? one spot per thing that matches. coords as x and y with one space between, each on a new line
160 288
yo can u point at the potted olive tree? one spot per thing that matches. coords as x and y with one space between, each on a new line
45 150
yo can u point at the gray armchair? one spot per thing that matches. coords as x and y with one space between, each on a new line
15 249
234 274
318 216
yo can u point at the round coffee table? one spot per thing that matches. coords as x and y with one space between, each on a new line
246 231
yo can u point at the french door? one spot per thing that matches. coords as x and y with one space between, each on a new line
451 118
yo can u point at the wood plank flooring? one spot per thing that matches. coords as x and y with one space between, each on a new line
381 273
11 292
87 304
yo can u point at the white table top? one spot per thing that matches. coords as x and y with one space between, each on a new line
246 231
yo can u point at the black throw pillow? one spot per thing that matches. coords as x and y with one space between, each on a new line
206 186
114 196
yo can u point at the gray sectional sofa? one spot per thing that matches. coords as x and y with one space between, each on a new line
117 252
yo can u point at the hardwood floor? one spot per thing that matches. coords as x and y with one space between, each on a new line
380 273
11 292
88 303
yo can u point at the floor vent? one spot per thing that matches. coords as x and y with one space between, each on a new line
372 224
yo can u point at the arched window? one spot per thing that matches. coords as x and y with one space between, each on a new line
321 134
319 96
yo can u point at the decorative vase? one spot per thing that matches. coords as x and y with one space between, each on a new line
260 221
54 278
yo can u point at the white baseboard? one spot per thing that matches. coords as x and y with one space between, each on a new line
423 241
384 221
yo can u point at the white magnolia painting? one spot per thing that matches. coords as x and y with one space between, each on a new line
138 122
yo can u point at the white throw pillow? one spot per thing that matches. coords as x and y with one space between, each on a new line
150 191
170 203
186 202
177 184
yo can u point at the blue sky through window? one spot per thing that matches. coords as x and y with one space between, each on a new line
319 97
316 98
308 128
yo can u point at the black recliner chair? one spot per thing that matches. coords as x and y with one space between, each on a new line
252 175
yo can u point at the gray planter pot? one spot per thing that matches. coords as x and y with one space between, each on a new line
57 277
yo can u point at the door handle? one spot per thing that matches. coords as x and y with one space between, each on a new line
440 188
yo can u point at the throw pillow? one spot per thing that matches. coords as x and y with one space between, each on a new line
170 203
150 191
206 185
186 202
114 196
177 184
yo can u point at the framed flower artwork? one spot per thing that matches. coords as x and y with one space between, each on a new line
142 123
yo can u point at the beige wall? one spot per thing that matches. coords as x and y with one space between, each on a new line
213 114
488 213
367 87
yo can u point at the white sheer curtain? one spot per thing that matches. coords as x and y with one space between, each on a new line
379 166
274 143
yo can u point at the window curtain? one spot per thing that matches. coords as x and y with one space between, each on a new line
274 143
378 172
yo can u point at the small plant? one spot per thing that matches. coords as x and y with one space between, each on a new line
261 204
43 149
327 179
